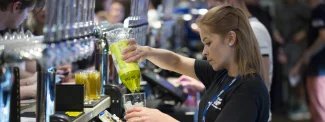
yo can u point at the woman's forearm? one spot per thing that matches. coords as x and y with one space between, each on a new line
169 60
164 59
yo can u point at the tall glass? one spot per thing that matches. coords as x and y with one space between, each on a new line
129 73
81 79
94 85
134 100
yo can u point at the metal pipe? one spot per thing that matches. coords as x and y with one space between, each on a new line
102 52
101 62
6 82
45 93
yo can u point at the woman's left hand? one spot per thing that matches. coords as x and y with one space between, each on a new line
190 85
143 114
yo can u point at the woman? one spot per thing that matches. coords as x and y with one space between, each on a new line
235 89
13 13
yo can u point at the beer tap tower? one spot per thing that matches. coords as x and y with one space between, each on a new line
67 38
70 34
15 47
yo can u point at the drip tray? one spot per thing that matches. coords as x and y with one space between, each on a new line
95 102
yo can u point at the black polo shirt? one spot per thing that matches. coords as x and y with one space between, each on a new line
246 101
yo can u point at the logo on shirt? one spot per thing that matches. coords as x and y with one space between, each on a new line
216 104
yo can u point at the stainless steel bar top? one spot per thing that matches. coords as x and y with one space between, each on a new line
90 113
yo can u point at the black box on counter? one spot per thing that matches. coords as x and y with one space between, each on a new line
69 97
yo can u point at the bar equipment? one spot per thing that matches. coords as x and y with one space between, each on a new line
138 20
102 52
13 49
168 23
68 38
8 93
70 34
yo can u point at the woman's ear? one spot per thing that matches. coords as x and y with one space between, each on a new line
232 38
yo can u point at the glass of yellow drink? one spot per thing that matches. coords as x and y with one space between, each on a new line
129 73
81 79
94 85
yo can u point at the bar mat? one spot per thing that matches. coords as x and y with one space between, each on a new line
28 114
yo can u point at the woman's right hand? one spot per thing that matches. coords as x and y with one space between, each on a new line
134 52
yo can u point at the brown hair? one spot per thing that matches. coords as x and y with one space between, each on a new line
24 3
223 19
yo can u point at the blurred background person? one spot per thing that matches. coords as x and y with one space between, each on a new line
153 14
262 13
116 12
28 83
101 9
292 41
112 11
36 19
314 59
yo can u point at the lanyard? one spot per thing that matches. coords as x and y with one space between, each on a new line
225 89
